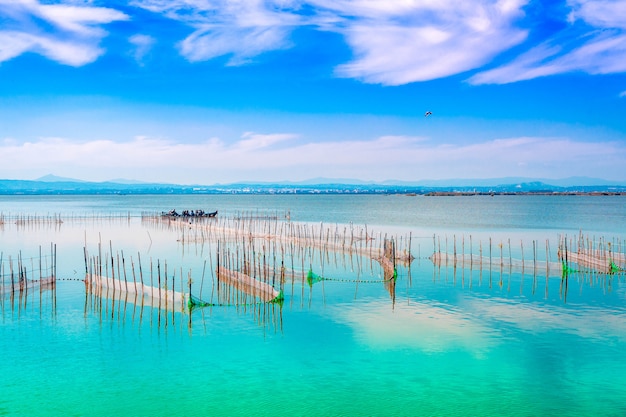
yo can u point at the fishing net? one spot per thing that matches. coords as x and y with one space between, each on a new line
195 302
313 278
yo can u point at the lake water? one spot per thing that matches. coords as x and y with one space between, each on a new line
440 341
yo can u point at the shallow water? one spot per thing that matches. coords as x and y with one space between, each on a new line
443 341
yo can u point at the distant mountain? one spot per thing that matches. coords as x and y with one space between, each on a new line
459 182
54 178
311 181
69 187
508 181
51 185
322 180
581 181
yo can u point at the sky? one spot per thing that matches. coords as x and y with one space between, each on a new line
222 91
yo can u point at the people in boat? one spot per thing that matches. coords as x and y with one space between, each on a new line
192 213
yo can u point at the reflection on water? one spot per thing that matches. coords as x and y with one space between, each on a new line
428 326
122 309
594 323
280 257
362 330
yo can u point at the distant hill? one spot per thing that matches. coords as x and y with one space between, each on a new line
466 182
50 185
54 178
494 182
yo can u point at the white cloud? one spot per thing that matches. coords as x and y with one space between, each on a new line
594 43
73 53
242 29
73 39
599 13
397 42
622 94
400 42
13 44
602 54
142 46
80 20
394 42
252 141
242 43
280 156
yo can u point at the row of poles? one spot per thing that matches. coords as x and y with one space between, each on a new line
294 238
590 260
27 278
284 252
52 218
277 252
111 277
575 253
123 296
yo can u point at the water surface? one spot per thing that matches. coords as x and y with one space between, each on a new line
443 341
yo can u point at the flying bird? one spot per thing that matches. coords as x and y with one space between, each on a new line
428 113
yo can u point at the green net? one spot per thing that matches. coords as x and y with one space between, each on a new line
195 302
568 270
614 268
313 278
279 298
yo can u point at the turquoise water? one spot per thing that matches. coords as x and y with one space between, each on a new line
441 342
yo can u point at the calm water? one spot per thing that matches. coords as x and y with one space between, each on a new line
442 342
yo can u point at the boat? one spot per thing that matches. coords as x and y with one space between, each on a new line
188 214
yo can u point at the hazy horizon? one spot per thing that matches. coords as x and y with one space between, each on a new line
323 181
221 91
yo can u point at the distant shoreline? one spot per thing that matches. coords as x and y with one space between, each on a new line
19 187
313 193
551 193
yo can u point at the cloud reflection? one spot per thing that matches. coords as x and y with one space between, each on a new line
475 325
425 325
588 322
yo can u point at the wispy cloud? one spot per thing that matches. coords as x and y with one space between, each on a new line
142 45
602 54
277 156
599 13
398 42
594 43
64 32
242 44
253 141
401 42
393 42
241 29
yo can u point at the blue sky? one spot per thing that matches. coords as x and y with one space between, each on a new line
218 91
